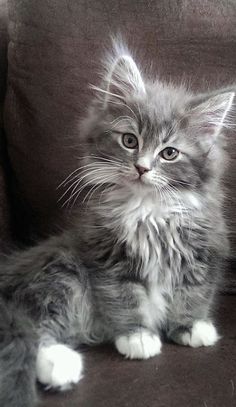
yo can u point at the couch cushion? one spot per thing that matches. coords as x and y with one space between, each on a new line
4 204
54 54
3 50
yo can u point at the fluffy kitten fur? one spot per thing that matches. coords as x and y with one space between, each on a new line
145 255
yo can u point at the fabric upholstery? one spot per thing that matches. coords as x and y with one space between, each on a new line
4 202
3 50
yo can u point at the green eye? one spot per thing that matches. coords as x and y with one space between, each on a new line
130 140
169 153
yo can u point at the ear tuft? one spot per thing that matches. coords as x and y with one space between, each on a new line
122 77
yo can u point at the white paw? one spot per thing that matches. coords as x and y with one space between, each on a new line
139 345
202 334
58 366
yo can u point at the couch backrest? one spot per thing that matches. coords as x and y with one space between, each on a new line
3 51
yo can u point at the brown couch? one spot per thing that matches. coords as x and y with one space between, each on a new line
53 49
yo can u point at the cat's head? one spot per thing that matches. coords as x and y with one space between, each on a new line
152 136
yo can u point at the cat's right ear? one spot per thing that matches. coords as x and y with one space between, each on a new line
211 112
122 77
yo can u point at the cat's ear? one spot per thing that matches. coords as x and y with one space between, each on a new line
122 77
209 113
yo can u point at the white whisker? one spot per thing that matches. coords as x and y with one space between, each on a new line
75 190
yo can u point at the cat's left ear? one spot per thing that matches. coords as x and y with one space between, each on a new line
209 113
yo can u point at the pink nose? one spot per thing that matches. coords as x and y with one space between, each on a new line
141 170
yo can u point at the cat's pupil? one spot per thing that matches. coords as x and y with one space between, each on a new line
170 151
130 141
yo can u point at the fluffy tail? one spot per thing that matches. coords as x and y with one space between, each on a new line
18 344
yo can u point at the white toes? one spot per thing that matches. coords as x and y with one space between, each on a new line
58 366
139 345
203 333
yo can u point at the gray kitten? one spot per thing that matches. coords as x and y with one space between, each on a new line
144 258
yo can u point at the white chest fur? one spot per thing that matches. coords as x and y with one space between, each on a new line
152 233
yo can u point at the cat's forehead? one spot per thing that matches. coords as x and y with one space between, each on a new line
163 103
161 112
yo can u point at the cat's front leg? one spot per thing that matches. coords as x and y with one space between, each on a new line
189 321
124 309
141 344
201 333
126 305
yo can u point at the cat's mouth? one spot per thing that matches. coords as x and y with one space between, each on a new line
140 181
143 180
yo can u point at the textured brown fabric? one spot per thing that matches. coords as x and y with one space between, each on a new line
3 51
179 377
4 204
54 54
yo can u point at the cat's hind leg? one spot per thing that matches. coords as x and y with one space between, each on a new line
58 366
